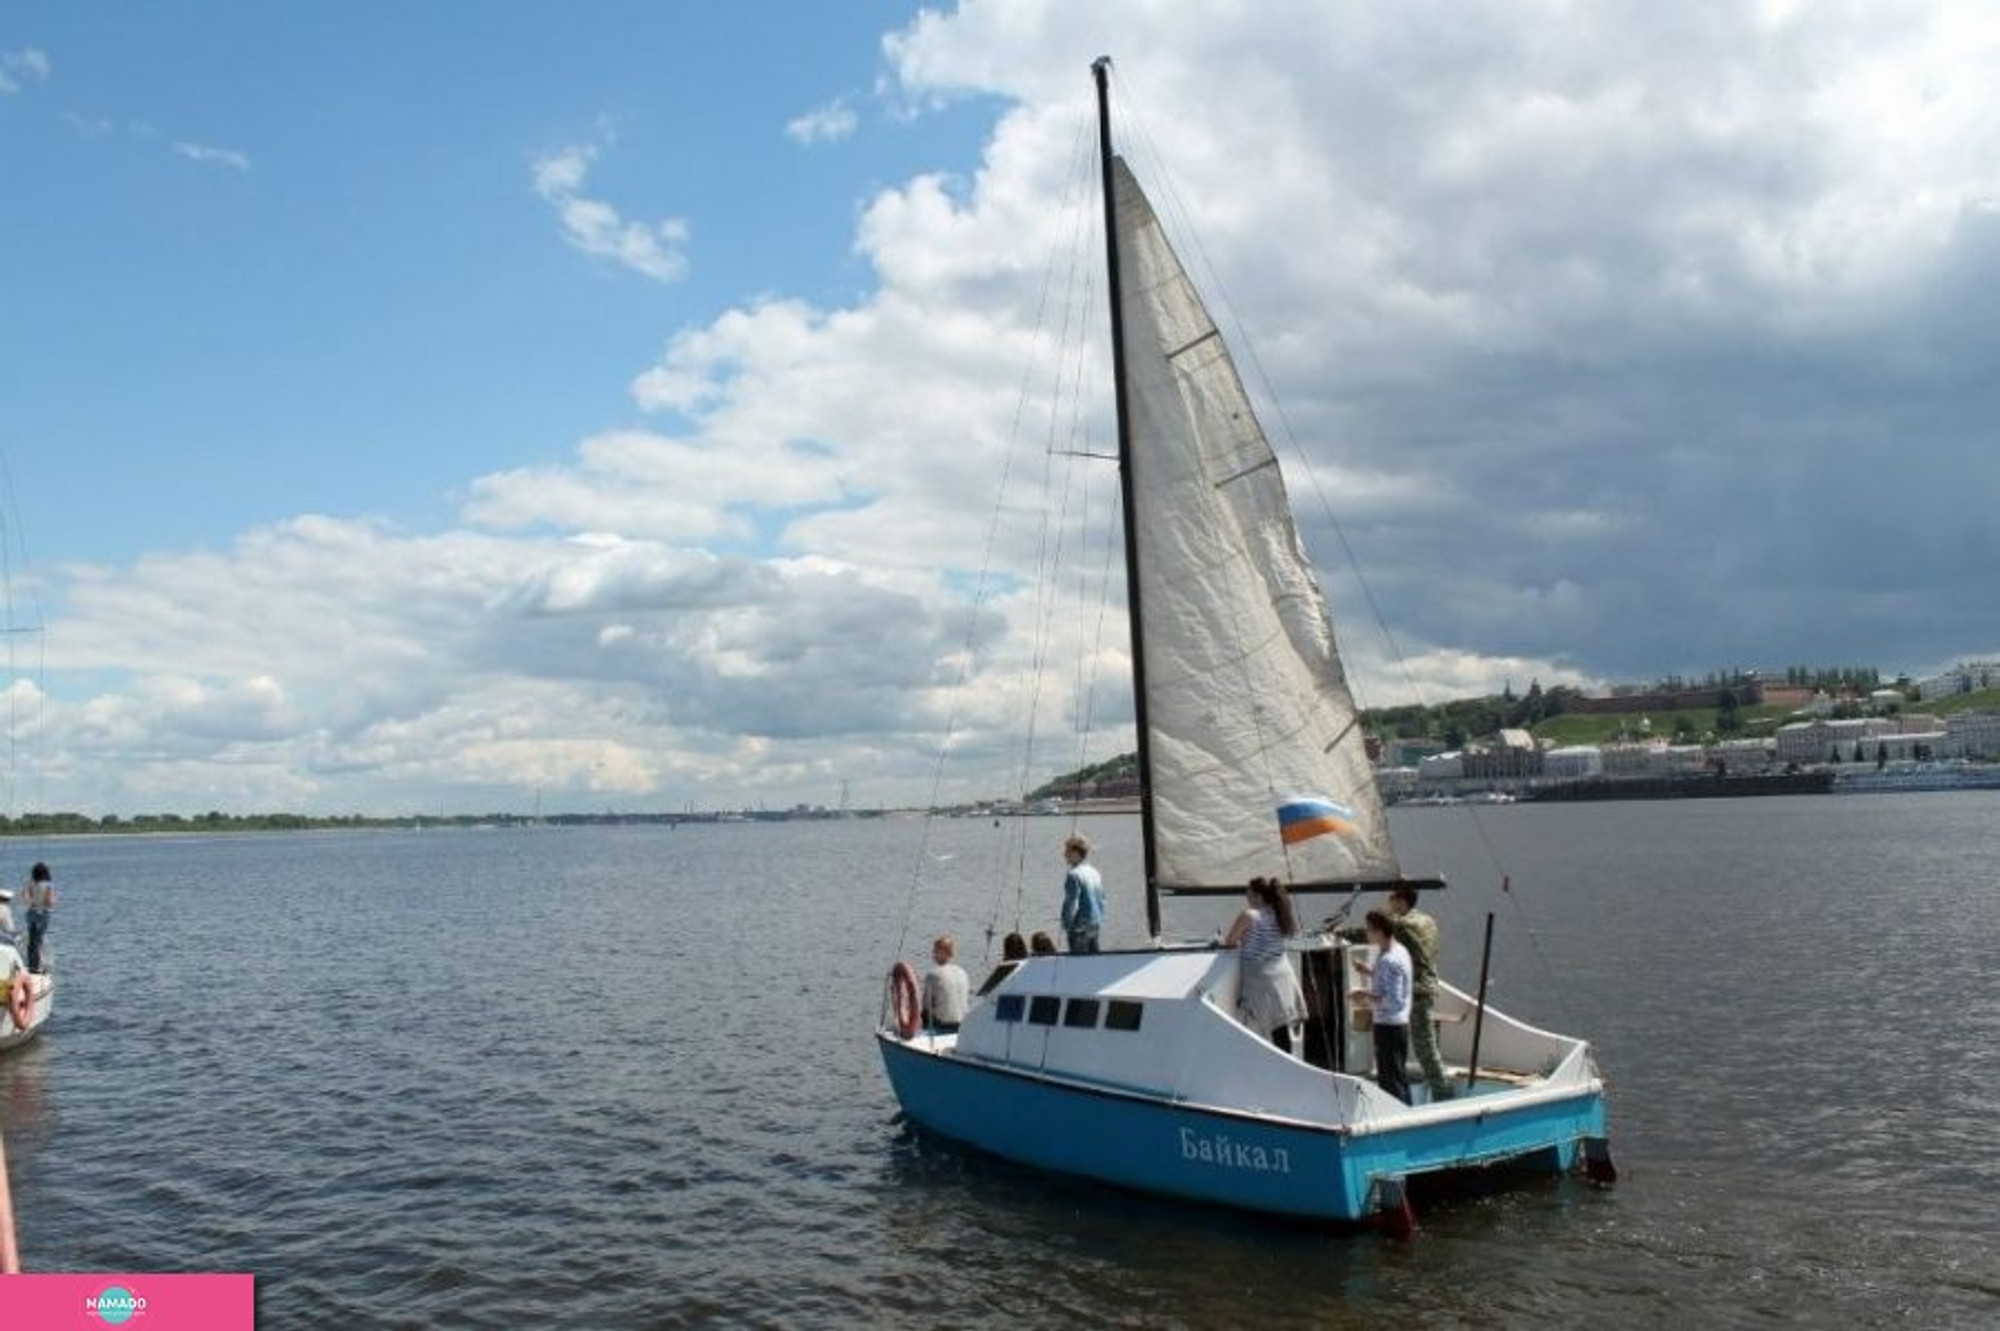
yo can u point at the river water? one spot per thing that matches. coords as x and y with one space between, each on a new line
624 1077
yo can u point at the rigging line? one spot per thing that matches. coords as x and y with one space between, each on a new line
1177 212
1089 664
1559 990
1088 718
1056 518
1071 348
982 592
1212 280
13 557
1554 981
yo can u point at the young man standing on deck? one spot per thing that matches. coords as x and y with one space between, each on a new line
1418 933
1083 898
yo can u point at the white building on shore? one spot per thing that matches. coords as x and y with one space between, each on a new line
1973 735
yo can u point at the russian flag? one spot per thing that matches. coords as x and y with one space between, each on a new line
1306 817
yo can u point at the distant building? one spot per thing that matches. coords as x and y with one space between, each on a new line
1787 695
1919 746
1829 741
1396 783
1401 752
1441 767
1740 756
1966 677
1749 693
1513 755
1653 758
1575 762
1973 735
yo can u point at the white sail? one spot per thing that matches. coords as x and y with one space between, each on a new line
1246 702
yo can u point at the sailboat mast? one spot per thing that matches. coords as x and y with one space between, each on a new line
1100 69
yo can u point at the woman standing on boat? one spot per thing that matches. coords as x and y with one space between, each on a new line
1269 999
41 900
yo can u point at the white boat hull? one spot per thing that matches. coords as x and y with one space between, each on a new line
42 989
1192 1105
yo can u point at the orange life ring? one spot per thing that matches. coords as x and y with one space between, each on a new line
903 995
21 1000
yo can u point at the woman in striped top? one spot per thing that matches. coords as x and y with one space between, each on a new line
1269 1000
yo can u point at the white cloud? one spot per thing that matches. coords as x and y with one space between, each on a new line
823 124
27 63
209 156
655 249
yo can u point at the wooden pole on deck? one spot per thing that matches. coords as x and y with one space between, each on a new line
1479 1012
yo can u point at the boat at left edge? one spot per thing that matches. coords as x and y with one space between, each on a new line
29 996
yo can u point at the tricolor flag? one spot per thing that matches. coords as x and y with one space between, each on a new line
1306 817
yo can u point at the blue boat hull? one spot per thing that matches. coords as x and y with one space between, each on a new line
1274 1167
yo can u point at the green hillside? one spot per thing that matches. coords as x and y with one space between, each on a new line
1983 700
1699 722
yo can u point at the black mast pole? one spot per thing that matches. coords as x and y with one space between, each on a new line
1100 69
1479 1012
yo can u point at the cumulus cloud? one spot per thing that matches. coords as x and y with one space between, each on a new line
329 657
823 124
655 249
211 156
1621 310
21 67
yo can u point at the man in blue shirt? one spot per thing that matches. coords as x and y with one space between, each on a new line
1083 898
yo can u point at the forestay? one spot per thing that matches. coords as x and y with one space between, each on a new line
1246 701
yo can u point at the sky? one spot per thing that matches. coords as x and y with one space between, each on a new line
467 407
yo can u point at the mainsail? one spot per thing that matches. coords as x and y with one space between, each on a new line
1247 706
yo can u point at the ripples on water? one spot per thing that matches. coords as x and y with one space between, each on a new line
624 1077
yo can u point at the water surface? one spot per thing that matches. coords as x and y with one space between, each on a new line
624 1077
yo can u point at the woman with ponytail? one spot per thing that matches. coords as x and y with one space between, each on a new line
1269 1000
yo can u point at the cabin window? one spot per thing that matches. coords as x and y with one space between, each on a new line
1081 1013
1042 1011
1009 1007
1123 1015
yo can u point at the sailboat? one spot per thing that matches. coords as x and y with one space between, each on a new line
26 997
1130 1067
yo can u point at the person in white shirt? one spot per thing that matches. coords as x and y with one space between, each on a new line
7 933
1388 995
946 989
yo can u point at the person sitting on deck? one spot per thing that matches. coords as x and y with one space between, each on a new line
1013 951
1388 995
946 989
1041 944
8 934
